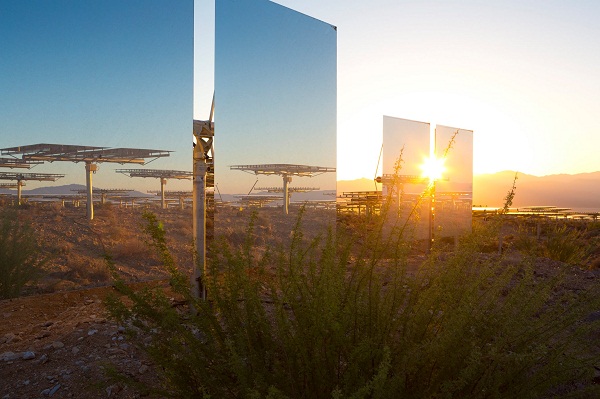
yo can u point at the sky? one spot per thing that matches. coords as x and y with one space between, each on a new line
110 74
522 75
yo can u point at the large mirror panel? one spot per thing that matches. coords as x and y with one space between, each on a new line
98 73
275 118
406 146
454 192
84 85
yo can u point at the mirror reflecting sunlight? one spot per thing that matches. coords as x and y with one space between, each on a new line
454 191
405 152
433 168
429 191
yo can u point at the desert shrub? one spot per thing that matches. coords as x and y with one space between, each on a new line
130 248
525 238
63 248
97 272
594 264
565 244
592 229
182 226
331 318
20 259
55 206
84 270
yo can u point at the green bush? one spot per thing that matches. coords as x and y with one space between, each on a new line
20 259
525 238
335 319
565 244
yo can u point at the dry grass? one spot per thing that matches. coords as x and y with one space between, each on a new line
595 264
130 248
76 247
181 226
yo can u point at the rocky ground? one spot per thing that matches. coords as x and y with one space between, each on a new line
76 248
58 341
62 345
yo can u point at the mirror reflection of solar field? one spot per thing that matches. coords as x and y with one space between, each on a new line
454 196
405 148
89 88
275 117
101 82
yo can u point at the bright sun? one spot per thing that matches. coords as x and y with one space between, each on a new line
433 168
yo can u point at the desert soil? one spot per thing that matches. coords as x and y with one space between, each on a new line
57 340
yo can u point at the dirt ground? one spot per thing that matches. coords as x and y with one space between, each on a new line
76 247
58 341
61 345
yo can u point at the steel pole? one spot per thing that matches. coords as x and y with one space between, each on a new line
286 198
19 191
431 215
199 223
89 169
163 203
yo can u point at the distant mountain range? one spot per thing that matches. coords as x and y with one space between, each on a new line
578 191
68 189
296 197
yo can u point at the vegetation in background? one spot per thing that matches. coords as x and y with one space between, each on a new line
345 316
566 245
20 259
510 196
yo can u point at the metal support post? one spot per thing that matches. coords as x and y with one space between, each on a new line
431 215
89 169
203 159
199 222
163 203
286 198
19 191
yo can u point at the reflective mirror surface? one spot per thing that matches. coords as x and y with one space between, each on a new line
454 196
98 73
407 139
275 116
90 73
403 186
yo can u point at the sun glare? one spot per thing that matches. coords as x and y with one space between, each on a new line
433 168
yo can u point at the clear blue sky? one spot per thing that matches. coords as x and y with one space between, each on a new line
523 75
103 73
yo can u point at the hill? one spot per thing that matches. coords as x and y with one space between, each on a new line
67 189
578 191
